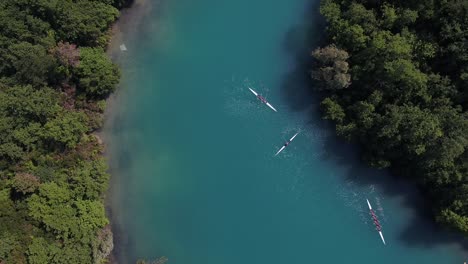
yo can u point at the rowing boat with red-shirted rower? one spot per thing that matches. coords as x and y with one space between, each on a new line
261 98
376 221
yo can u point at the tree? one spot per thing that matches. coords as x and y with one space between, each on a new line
408 102
69 219
65 130
8 243
40 251
352 37
453 219
363 114
23 111
409 82
358 14
410 127
388 46
26 104
25 183
407 17
31 64
102 247
52 207
11 152
48 214
332 68
88 179
389 16
96 75
84 22
331 10
67 54
332 110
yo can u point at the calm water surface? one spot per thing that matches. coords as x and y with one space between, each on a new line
192 151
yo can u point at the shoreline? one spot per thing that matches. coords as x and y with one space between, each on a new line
129 19
122 29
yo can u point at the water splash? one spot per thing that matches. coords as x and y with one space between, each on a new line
240 102
352 197
380 209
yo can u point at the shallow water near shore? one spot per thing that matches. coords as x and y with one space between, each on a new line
191 150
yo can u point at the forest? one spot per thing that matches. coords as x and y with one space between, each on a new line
54 79
394 75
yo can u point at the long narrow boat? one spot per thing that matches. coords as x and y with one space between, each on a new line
286 144
376 221
261 98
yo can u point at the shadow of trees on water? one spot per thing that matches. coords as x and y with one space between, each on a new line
297 88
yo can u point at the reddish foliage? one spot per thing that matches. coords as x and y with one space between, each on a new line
25 183
67 53
87 150
69 91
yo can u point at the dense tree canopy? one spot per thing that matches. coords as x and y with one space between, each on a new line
406 101
54 76
97 76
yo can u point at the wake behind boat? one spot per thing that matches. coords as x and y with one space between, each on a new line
376 221
286 144
261 98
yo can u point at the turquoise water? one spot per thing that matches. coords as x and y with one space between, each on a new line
191 150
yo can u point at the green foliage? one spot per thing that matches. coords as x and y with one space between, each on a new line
8 243
85 22
51 207
30 63
332 110
23 111
26 104
97 75
364 114
331 10
453 219
66 129
407 103
6 205
358 14
67 218
390 46
389 16
42 251
52 178
409 128
89 179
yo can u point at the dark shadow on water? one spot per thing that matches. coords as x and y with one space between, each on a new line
297 88
421 231
300 41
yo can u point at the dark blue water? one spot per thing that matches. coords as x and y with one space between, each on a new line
195 178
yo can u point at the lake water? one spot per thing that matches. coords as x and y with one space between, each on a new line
191 150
